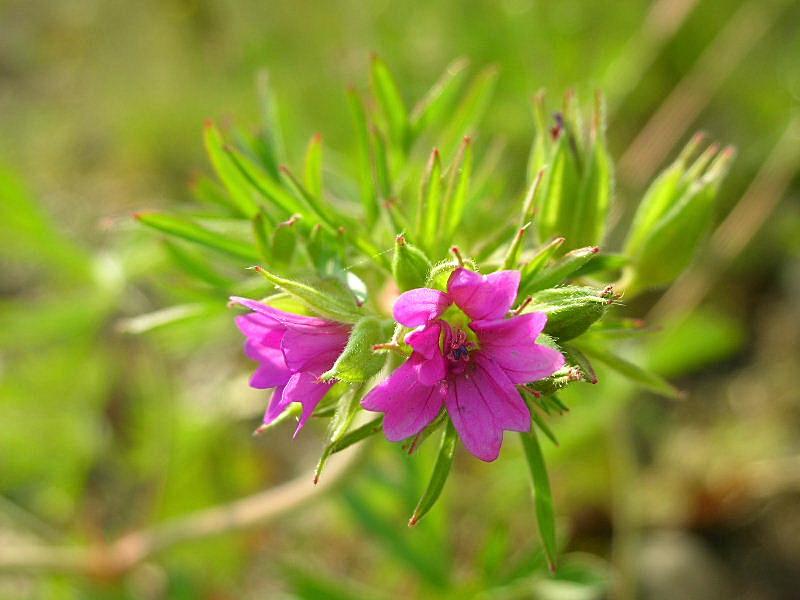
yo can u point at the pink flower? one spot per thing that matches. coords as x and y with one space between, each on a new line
292 352
468 357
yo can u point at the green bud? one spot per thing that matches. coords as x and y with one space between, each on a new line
410 265
674 216
578 179
570 309
358 362
557 381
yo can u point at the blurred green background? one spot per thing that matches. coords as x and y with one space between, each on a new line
103 432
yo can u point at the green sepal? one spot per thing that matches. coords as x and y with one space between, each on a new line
410 265
358 362
336 306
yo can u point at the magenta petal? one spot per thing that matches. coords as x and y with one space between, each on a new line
272 370
482 405
290 320
483 296
425 340
408 406
501 395
261 328
511 344
306 389
416 307
472 419
312 351
277 406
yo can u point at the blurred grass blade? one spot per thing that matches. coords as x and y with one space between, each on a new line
441 470
471 109
390 103
646 379
270 137
195 265
366 179
542 496
206 190
237 185
164 317
195 233
431 111
313 167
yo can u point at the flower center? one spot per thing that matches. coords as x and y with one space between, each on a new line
458 346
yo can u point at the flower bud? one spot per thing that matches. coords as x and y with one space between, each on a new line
674 216
571 309
358 362
410 265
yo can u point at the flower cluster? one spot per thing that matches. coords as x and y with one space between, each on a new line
468 356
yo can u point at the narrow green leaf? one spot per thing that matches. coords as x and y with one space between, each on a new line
313 167
441 470
390 102
238 186
317 205
337 308
358 362
558 272
284 241
195 233
512 255
457 193
543 498
430 197
534 266
346 440
647 379
270 189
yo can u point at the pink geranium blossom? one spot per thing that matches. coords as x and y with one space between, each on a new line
292 352
468 356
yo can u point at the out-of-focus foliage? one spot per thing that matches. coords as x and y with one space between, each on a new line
102 431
